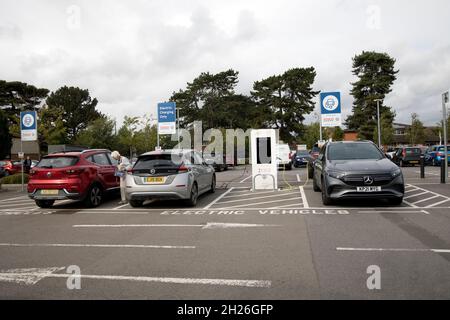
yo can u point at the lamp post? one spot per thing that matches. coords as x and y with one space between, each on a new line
378 121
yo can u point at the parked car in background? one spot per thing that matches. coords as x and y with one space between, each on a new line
218 161
314 155
407 156
34 163
84 175
391 152
11 167
355 170
169 174
435 154
302 158
2 172
283 157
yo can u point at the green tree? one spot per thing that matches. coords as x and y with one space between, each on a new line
17 96
5 136
127 136
376 73
146 137
99 134
312 134
51 129
286 99
416 132
78 109
202 100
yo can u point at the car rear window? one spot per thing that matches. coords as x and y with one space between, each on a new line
354 151
302 153
315 149
158 161
413 151
442 148
57 162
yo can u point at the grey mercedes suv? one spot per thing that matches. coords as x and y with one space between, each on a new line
354 170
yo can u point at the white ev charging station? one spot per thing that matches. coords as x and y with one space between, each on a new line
264 159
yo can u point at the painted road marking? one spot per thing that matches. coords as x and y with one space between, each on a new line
34 275
438 203
387 211
252 193
79 245
395 250
245 179
121 206
264 202
426 199
255 198
298 178
305 201
21 197
209 225
416 195
218 198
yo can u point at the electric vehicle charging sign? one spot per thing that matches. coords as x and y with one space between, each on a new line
28 126
330 109
167 118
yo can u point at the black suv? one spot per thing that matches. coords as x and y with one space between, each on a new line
357 169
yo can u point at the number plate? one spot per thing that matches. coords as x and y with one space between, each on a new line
414 162
155 180
368 189
50 192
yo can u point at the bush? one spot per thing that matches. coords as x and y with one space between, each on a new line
14 179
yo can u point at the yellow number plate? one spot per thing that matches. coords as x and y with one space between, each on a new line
155 180
50 192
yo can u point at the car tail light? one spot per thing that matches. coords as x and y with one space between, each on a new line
440 154
183 169
74 172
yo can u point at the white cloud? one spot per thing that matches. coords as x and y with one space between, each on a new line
130 55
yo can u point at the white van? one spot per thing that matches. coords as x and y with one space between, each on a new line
283 156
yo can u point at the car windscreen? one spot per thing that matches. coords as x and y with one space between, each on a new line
57 162
354 151
302 153
158 161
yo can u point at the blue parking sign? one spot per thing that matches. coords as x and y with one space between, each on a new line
167 112
330 102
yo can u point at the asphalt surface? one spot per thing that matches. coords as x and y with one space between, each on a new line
236 244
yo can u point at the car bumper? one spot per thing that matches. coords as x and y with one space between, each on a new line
337 189
179 188
63 194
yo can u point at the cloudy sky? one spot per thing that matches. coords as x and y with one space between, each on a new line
133 54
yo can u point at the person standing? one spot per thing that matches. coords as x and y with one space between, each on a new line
27 164
123 164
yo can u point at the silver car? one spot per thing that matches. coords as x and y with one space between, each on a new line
169 174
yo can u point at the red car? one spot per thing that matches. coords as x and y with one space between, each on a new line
11 167
84 175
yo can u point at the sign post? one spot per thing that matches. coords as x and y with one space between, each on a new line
28 132
330 109
167 118
445 103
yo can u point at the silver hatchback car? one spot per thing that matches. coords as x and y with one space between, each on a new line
169 174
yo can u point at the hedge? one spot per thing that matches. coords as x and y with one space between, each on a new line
14 179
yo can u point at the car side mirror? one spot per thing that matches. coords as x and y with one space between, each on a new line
388 156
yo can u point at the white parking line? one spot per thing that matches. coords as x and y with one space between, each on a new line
305 201
29 277
396 211
264 202
438 203
93 245
209 225
395 250
430 198
242 181
121 206
416 195
255 198
218 198
252 193
298 178
21 197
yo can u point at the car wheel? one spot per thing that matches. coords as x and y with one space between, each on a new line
396 201
192 201
289 167
315 185
326 200
94 197
213 185
136 203
45 203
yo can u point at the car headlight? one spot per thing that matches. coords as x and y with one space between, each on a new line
336 174
396 173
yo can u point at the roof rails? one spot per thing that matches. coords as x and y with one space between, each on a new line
88 150
81 150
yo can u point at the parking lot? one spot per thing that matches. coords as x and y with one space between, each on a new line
235 244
